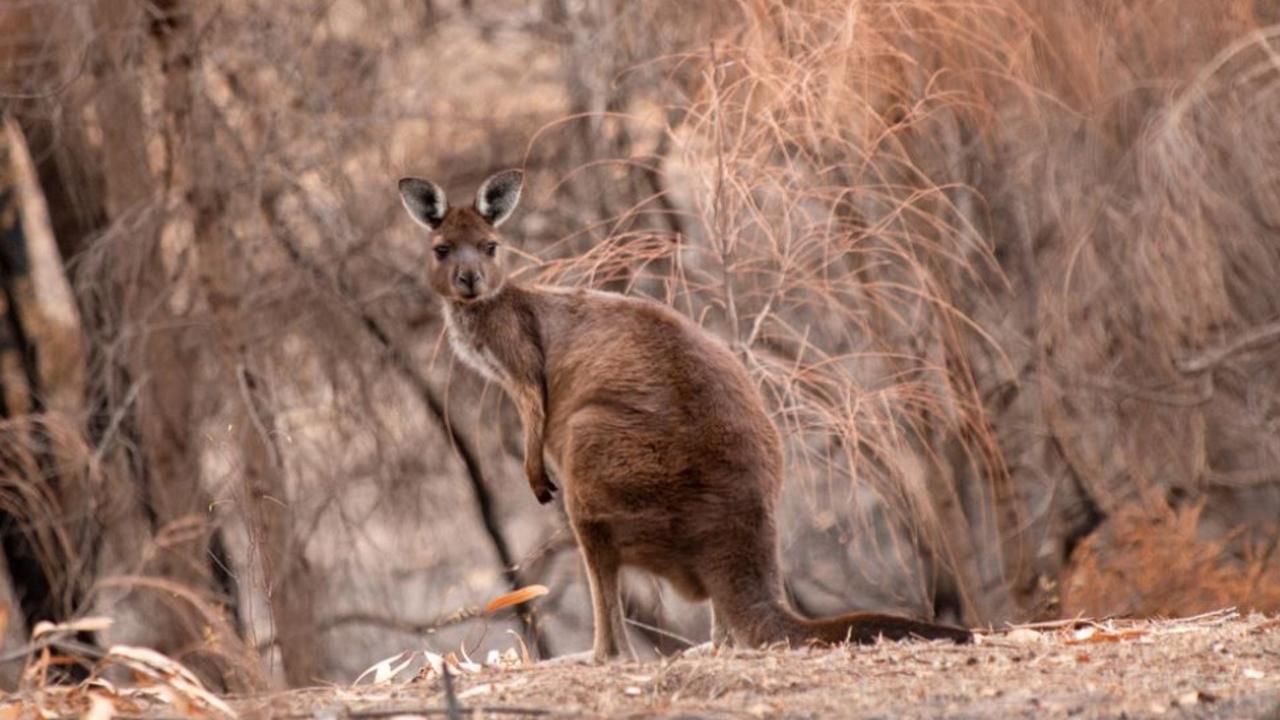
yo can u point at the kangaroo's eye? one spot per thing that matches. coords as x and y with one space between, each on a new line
441 251
490 249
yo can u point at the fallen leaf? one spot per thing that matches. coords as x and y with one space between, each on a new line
1092 634
171 675
384 671
466 663
151 663
516 597
435 663
476 691
524 649
1023 635
100 707
102 684
88 624
1194 697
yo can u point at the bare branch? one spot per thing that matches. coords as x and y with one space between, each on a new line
1245 341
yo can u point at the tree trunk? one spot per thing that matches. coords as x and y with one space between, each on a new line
153 549
281 569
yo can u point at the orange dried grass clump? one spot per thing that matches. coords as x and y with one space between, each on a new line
1156 564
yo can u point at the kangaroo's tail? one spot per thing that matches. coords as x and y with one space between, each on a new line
748 597
770 620
866 627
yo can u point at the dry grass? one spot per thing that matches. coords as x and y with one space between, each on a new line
1160 565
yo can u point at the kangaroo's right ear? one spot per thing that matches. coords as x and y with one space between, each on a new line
424 200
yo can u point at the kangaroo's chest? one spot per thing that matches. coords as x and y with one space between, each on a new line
472 348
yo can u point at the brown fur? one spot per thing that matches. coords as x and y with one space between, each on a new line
668 457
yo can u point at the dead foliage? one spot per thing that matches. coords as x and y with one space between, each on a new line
120 681
1160 564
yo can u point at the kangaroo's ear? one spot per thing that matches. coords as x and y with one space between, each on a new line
498 196
424 200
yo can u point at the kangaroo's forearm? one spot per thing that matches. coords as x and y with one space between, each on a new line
533 417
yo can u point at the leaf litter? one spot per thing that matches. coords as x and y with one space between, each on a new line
1216 665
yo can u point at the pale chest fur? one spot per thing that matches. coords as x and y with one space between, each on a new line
470 347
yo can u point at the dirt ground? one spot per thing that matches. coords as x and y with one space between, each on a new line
1218 666
1214 666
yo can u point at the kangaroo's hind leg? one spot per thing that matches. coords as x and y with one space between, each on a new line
720 634
601 559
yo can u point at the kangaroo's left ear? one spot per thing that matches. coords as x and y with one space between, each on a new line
499 195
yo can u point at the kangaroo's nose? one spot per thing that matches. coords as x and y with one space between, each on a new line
467 281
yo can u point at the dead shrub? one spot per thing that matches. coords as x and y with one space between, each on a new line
1156 563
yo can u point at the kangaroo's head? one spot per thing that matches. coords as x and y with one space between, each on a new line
464 263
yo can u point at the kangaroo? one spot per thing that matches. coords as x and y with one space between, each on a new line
668 457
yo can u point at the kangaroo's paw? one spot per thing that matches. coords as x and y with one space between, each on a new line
544 490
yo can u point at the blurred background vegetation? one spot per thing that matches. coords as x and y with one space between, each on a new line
1006 271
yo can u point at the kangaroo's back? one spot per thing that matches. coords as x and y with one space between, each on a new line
639 366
